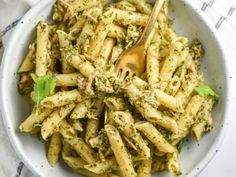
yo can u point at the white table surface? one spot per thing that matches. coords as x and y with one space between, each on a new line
223 164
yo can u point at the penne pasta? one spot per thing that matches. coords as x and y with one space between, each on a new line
202 117
152 64
28 63
54 149
145 167
82 65
142 6
34 120
149 112
105 52
52 123
81 110
61 99
68 80
66 130
101 32
116 103
116 52
125 122
102 166
92 127
102 123
122 157
77 125
159 164
192 81
116 31
65 43
187 119
87 32
83 149
41 49
125 5
173 164
155 137
80 5
125 17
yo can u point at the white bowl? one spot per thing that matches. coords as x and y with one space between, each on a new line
188 21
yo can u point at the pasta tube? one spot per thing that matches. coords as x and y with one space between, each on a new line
122 157
155 137
85 67
61 99
187 119
102 166
80 5
145 167
34 120
77 125
116 31
65 43
54 149
142 6
106 49
28 63
91 129
51 124
125 17
125 123
81 109
191 81
200 127
173 164
152 64
101 32
149 112
83 149
87 32
66 130
41 49
68 80
116 103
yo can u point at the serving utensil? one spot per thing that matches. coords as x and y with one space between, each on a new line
132 61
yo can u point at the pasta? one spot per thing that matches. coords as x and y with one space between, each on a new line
42 49
68 80
64 43
51 124
145 168
29 61
103 125
54 149
118 147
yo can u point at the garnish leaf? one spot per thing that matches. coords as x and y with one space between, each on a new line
180 145
43 87
205 90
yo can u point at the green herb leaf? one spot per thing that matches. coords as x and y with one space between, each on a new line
205 90
43 87
180 145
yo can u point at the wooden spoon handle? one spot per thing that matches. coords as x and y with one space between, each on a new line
151 22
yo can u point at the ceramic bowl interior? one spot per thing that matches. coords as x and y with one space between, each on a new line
15 108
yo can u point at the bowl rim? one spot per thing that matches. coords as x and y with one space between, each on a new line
3 107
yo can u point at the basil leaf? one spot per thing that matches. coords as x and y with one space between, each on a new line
43 87
205 90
